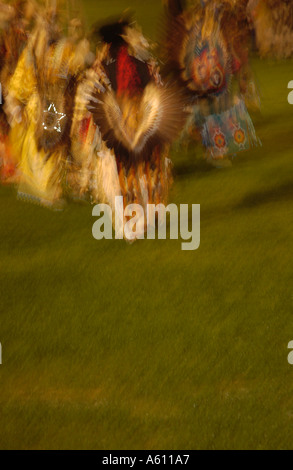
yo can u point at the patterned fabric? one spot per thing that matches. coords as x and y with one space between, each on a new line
208 66
227 133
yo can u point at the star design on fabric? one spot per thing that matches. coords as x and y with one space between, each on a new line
53 118
239 136
219 139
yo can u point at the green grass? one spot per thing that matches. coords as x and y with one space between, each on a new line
114 346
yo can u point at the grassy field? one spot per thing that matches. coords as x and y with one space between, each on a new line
113 346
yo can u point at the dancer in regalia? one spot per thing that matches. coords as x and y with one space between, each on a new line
125 119
40 104
207 51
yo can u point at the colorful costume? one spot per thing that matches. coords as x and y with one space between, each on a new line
40 105
125 119
14 26
207 52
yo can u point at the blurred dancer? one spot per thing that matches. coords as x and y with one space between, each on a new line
207 51
125 118
40 104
